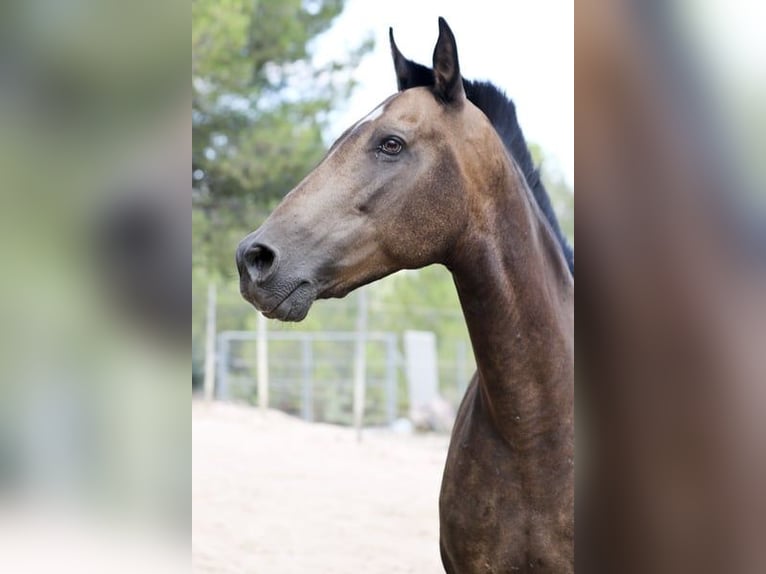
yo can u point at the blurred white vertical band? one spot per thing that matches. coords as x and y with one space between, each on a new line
210 343
262 351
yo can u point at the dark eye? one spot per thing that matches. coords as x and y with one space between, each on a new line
391 146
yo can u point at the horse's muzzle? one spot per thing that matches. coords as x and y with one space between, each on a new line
277 295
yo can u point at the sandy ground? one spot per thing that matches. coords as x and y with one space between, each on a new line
274 495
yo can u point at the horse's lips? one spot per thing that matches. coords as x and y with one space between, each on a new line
295 305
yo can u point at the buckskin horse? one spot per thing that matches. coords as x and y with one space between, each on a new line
428 177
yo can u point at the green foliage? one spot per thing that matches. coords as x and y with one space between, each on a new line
258 109
562 196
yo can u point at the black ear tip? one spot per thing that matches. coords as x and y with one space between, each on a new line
444 29
394 48
446 69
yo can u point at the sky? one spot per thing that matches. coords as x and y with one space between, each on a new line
524 47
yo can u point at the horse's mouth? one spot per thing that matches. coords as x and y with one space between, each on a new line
294 306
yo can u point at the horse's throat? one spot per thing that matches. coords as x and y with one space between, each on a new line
517 299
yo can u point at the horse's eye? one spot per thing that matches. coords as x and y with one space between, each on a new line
390 146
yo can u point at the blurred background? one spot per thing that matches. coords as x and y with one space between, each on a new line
671 305
94 298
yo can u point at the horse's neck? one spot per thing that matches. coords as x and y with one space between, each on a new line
517 297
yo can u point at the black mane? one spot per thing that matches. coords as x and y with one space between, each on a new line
501 112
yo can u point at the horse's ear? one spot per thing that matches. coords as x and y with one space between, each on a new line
401 64
409 74
448 85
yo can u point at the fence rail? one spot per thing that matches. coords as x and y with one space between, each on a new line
311 374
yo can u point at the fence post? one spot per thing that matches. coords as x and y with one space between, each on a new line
391 390
209 382
222 388
308 368
360 363
262 352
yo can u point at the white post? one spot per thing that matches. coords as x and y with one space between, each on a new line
262 351
360 363
209 381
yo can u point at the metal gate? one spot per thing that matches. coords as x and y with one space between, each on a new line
311 374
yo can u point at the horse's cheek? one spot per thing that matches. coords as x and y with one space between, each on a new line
445 207
420 214
422 229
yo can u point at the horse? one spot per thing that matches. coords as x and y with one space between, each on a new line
425 178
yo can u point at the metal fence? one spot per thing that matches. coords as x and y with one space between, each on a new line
311 374
315 372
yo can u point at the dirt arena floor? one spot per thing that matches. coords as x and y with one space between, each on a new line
274 495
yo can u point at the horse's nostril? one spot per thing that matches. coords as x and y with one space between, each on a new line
259 261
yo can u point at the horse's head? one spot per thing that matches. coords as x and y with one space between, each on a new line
393 192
